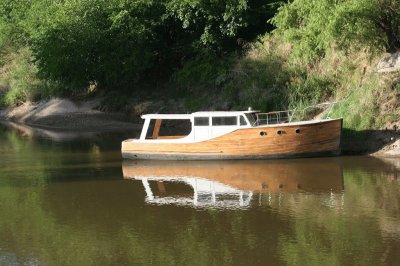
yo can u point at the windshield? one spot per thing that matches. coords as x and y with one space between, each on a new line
252 118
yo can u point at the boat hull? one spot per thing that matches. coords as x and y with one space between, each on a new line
316 139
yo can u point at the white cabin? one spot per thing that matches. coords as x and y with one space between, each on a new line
204 125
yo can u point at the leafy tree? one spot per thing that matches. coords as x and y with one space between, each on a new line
313 26
372 22
116 44
12 34
219 25
95 41
303 23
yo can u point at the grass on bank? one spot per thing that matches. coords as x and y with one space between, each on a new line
20 80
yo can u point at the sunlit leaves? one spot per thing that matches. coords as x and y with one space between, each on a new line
316 25
109 43
216 23
117 44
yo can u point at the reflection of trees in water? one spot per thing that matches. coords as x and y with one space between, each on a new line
67 140
29 232
363 230
72 159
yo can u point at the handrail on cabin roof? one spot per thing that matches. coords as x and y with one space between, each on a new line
196 114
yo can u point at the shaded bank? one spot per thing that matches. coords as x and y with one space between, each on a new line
65 115
373 142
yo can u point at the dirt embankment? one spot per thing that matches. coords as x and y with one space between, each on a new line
380 143
64 114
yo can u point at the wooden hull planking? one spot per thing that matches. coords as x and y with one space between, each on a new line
281 141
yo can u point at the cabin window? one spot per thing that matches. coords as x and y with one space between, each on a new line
252 118
243 121
298 131
201 121
168 128
224 121
149 134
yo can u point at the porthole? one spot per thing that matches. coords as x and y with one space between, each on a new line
281 132
298 131
263 133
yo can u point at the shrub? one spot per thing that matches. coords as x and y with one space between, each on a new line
20 79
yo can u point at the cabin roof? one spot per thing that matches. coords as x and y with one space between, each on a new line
167 116
222 113
189 116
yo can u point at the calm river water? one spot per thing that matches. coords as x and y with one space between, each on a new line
67 200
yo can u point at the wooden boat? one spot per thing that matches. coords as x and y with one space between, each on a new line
232 183
234 135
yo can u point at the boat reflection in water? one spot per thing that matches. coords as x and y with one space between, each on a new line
232 184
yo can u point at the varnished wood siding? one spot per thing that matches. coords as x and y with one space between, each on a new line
313 138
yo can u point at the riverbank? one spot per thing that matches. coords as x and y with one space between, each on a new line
379 143
64 115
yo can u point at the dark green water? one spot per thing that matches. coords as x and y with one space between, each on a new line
68 203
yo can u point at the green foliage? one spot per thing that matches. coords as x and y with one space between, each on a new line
12 15
357 92
371 23
218 25
360 109
315 26
193 104
110 43
20 78
118 44
201 78
212 21
205 69
257 79
311 89
304 24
